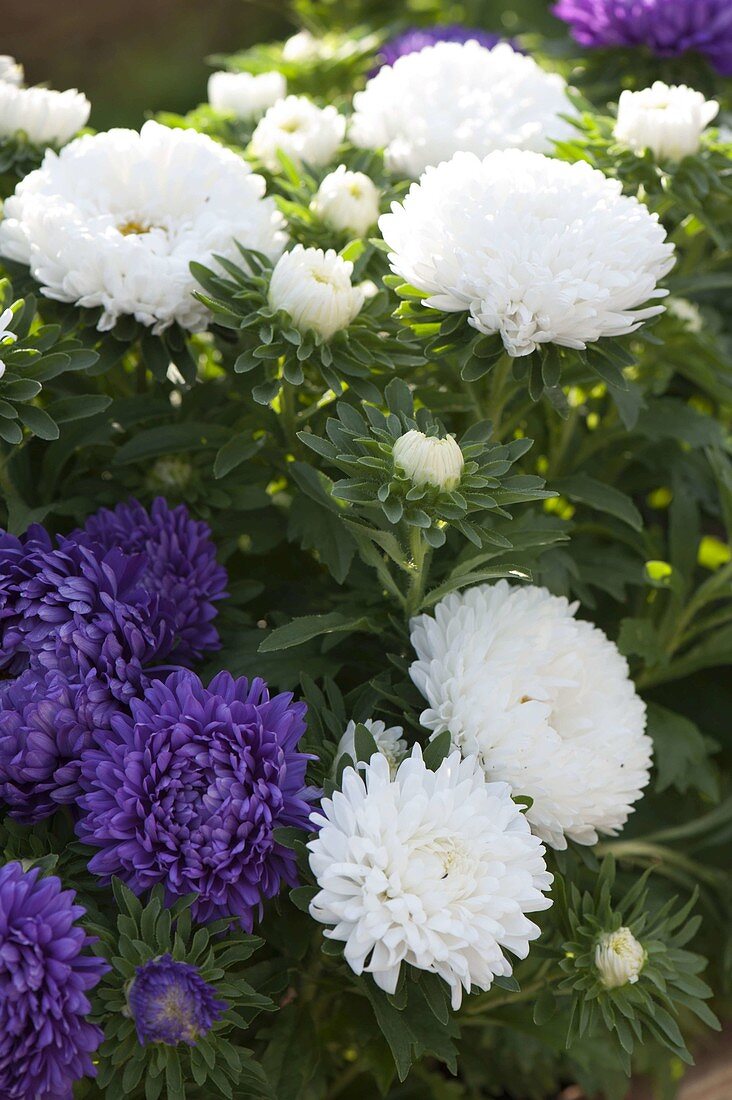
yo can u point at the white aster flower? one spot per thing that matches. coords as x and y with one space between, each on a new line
6 336
427 460
668 120
347 201
115 219
619 957
246 95
10 71
459 97
534 249
434 869
307 134
543 700
44 116
687 312
389 742
315 288
302 46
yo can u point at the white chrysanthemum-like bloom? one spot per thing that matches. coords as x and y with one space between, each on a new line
307 134
347 201
115 219
436 869
389 742
11 72
543 700
6 336
315 288
427 460
302 46
44 116
246 95
619 957
668 120
537 250
459 97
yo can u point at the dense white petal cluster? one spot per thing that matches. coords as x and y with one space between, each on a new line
668 120
315 288
619 957
246 95
458 96
10 71
115 219
389 742
535 249
44 116
307 134
543 700
347 201
427 460
434 869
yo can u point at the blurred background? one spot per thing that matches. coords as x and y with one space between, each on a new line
133 57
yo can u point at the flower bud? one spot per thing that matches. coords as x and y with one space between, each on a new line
347 201
246 95
315 288
388 740
427 460
668 120
303 131
302 46
619 958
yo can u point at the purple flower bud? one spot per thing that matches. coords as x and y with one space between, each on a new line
171 1003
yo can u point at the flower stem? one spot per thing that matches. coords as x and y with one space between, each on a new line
498 396
420 552
288 414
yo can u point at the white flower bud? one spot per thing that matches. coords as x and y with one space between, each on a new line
427 460
302 46
10 71
686 312
315 288
170 473
619 957
46 117
6 336
347 201
247 95
388 740
668 120
304 132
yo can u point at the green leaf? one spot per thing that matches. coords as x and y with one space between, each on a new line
313 626
682 753
38 422
584 489
232 454
437 750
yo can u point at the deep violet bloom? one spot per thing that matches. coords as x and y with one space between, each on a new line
46 1042
171 1003
189 790
19 561
180 566
668 28
46 722
417 38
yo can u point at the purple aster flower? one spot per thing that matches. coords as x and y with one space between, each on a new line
46 722
189 790
179 565
19 561
171 1003
417 38
668 28
46 1042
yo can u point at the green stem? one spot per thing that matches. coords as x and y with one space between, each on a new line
288 414
498 397
491 1003
420 552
